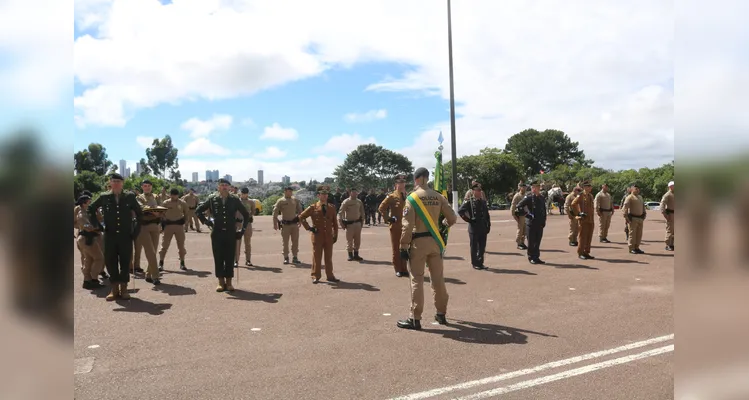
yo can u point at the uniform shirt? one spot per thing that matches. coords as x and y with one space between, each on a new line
82 220
372 201
434 203
191 200
602 202
468 195
584 204
116 211
176 209
223 211
391 207
351 210
634 205
380 198
568 203
479 212
249 205
323 218
535 205
288 209
515 201
667 202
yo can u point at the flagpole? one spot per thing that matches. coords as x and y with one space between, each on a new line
452 110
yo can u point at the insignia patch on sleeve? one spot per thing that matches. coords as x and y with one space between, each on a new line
405 211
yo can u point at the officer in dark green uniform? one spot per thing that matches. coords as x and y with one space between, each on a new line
120 230
224 235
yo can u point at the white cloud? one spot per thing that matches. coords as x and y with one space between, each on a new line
204 147
369 116
272 152
509 74
144 141
343 144
248 122
199 128
277 132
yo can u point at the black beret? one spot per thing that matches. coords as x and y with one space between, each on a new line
174 191
353 189
82 200
521 184
535 183
222 180
288 188
86 193
192 189
421 173
245 190
476 185
117 176
634 184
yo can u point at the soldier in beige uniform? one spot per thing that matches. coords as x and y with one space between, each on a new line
249 204
89 243
148 238
351 219
423 248
288 208
469 192
574 224
191 219
173 224
634 213
604 207
667 209
519 217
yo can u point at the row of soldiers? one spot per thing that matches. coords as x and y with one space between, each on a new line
369 199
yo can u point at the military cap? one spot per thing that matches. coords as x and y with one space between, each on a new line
86 193
192 189
421 173
400 178
535 183
353 189
146 182
476 185
82 199
585 183
222 180
521 185
323 189
287 188
116 176
174 191
245 190
634 184
671 183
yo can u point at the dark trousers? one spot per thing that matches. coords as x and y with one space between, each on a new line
118 251
370 215
224 245
477 236
534 233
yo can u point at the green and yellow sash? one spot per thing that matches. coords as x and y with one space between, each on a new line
421 210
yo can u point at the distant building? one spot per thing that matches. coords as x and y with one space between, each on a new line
138 169
260 180
228 178
286 180
127 173
123 168
194 177
252 182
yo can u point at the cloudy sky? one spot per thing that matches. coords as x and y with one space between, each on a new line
292 86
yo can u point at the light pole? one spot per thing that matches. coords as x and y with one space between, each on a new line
452 110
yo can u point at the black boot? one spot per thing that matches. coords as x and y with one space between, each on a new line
350 256
356 256
182 265
161 265
440 318
410 323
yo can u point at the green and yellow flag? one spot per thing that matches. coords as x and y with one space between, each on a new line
441 187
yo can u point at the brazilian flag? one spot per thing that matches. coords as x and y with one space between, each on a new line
439 186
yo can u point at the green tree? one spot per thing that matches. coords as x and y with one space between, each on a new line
94 159
144 168
372 166
497 171
268 204
545 151
158 183
162 158
88 180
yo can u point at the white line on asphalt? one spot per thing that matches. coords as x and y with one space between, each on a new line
515 374
568 374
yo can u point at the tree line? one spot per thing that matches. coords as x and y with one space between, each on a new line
549 156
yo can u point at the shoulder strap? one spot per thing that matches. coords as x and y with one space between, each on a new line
421 210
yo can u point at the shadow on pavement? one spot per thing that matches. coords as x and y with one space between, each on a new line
554 250
174 290
354 285
252 296
658 255
259 268
613 261
372 262
137 305
302 265
454 281
571 266
499 253
474 332
511 271
190 272
453 258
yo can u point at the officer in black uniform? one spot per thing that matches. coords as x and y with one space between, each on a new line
224 235
120 231
533 207
476 213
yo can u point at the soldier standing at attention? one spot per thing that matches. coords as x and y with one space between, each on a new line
191 219
223 205
119 233
324 233
605 209
635 214
149 233
469 192
667 209
288 208
380 198
351 218
338 198
533 207
392 210
584 209
248 204
174 221
574 224
89 245
422 244
476 213
519 216
372 204
621 205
